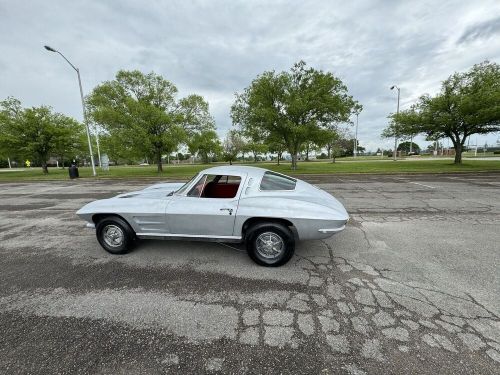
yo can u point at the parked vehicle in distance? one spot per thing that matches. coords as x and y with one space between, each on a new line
267 210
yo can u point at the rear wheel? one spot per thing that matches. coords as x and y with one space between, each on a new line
270 244
115 235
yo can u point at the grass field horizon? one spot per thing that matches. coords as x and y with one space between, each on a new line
183 171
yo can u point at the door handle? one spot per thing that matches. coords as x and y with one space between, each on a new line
230 210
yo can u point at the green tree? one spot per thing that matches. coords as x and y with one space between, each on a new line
10 113
37 132
319 138
277 146
468 103
292 105
119 150
71 139
403 127
206 144
336 141
347 147
256 147
141 110
196 115
405 146
233 145
329 139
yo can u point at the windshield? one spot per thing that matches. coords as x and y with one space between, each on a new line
185 186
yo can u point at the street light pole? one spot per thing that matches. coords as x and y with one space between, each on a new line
97 143
395 135
356 137
83 105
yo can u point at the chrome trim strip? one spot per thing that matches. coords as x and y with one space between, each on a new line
332 230
208 236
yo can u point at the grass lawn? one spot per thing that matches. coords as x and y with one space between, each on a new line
480 154
341 167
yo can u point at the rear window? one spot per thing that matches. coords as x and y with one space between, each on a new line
274 181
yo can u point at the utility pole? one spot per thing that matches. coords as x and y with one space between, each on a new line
394 154
97 142
83 106
356 137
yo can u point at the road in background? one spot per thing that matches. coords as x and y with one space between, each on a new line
410 286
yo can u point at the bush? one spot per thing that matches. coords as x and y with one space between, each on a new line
4 163
496 152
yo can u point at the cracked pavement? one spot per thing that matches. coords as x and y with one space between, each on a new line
411 286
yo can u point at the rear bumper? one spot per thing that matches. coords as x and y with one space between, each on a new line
318 229
332 230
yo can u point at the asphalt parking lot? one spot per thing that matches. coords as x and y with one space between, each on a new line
411 286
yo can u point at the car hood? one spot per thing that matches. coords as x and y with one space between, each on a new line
157 191
129 201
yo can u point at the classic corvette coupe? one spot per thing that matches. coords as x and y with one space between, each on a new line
267 210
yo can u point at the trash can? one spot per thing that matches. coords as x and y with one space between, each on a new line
73 171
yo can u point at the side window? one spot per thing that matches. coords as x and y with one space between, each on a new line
232 180
221 186
198 187
275 181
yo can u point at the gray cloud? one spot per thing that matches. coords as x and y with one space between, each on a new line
481 30
216 48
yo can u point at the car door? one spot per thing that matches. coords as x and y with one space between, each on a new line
195 214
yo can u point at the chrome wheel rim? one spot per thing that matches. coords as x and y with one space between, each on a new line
269 245
113 235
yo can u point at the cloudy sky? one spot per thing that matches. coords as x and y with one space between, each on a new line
215 48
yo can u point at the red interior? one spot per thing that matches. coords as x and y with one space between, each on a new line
213 190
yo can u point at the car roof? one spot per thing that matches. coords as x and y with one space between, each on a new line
238 169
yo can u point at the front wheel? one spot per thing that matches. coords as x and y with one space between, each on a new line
114 235
270 244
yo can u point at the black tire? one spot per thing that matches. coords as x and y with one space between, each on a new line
110 225
262 230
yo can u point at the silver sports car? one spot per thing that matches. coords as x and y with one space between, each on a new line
267 210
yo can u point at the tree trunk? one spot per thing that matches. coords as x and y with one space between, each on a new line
329 151
158 160
307 152
279 157
255 157
230 161
294 161
45 168
458 152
